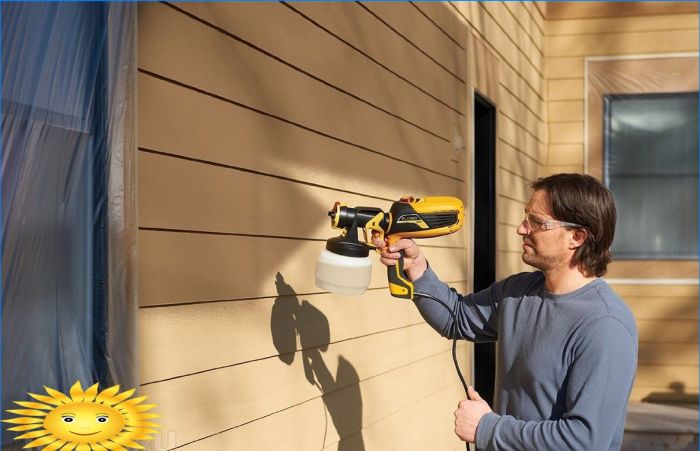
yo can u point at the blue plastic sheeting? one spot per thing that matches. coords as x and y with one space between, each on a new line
68 228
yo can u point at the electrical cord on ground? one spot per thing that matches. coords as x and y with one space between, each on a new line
454 342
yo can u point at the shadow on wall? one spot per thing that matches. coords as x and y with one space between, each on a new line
341 395
675 396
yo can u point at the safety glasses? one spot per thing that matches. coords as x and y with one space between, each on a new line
535 223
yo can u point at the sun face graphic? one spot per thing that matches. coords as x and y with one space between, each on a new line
87 420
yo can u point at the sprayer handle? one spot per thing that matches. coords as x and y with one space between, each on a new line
399 285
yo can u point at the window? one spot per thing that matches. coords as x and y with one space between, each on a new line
65 154
641 140
651 167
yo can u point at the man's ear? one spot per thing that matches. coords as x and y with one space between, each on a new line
578 238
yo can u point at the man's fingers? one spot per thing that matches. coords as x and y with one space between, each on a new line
473 394
378 242
402 244
388 261
392 255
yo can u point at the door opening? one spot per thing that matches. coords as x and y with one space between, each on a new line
484 231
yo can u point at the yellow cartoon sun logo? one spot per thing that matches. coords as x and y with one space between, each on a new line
86 421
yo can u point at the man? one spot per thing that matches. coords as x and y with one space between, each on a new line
566 343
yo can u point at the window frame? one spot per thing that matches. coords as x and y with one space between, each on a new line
634 74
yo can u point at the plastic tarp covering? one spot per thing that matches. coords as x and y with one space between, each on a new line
68 197
644 117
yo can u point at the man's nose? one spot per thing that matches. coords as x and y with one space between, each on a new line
522 230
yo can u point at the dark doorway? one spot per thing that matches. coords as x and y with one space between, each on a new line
484 231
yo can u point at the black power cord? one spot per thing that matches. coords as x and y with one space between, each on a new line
454 343
454 336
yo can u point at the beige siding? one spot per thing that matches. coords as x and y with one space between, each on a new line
569 42
506 46
253 120
666 314
255 117
667 320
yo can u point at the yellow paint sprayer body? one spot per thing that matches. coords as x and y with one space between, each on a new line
409 217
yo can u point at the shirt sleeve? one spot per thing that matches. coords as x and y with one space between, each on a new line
599 384
477 314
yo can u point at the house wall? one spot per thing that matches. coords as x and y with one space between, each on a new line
253 120
662 299
505 55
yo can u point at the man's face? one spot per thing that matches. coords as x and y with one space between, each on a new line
544 249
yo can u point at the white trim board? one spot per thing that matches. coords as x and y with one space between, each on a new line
652 281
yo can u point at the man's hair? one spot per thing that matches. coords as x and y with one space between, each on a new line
583 200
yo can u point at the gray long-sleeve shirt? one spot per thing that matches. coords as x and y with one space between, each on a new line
565 363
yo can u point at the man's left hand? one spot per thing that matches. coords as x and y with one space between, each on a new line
468 414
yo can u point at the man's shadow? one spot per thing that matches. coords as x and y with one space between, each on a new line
341 395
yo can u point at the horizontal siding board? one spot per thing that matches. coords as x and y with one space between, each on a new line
515 108
542 8
518 162
668 353
417 29
509 263
645 392
471 15
565 111
188 195
180 121
533 98
239 394
508 239
513 186
309 425
564 67
509 211
202 336
663 376
519 137
666 41
592 10
653 292
523 15
446 19
622 25
654 269
565 154
409 429
566 132
355 25
508 76
528 50
490 31
565 89
484 69
658 330
537 13
179 267
559 169
284 33
296 428
237 72
662 308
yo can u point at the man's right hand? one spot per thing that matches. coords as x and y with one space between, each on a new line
414 263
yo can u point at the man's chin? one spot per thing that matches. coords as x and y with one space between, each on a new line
529 260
